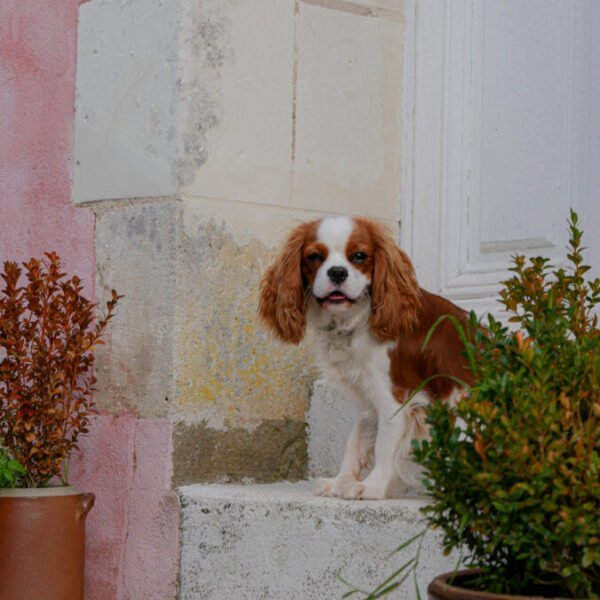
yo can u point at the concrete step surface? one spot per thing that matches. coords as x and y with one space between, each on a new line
281 542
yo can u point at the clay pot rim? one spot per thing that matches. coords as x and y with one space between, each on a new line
443 589
64 490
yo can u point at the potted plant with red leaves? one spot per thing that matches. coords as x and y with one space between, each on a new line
48 334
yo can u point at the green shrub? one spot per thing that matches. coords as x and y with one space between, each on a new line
513 469
10 470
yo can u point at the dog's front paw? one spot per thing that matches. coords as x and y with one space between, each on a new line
365 490
333 486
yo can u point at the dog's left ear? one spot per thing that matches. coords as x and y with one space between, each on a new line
395 301
282 306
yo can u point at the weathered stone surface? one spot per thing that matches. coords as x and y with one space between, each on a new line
280 541
273 451
186 344
177 99
126 105
229 371
216 126
239 71
136 245
186 341
348 112
182 99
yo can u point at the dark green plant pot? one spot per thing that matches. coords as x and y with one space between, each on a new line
440 589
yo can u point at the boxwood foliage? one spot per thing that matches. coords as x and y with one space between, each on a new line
513 468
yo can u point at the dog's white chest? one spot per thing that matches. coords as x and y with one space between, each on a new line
355 359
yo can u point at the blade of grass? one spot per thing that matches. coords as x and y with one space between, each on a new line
393 575
353 590
424 383
461 333
389 589
417 591
407 543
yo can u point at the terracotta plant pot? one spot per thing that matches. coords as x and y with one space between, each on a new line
440 589
42 537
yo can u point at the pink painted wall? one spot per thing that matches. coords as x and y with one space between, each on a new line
132 532
38 44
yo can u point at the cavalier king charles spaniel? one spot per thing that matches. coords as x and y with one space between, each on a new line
348 279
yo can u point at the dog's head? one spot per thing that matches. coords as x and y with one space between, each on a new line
338 264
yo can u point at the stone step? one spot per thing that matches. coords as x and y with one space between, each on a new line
282 542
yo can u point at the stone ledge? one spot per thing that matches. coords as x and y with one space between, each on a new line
280 541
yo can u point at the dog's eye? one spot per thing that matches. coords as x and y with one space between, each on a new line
359 257
315 256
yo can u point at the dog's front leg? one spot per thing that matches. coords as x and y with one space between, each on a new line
356 458
391 429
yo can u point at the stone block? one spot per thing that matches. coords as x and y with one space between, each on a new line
136 244
169 97
125 117
229 372
348 113
238 64
280 541
273 451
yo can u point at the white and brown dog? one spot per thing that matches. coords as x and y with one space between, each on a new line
347 278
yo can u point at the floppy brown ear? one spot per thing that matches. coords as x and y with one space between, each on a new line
282 307
395 302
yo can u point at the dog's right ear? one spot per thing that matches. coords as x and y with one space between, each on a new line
282 306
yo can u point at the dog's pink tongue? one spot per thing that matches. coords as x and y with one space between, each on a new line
336 296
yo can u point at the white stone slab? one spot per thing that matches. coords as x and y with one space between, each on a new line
348 112
247 74
281 542
126 86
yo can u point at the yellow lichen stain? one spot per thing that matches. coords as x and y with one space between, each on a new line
226 363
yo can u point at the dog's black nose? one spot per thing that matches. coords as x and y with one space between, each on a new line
337 274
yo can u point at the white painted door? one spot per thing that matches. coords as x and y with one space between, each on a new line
502 137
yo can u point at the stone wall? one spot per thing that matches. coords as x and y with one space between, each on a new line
204 131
